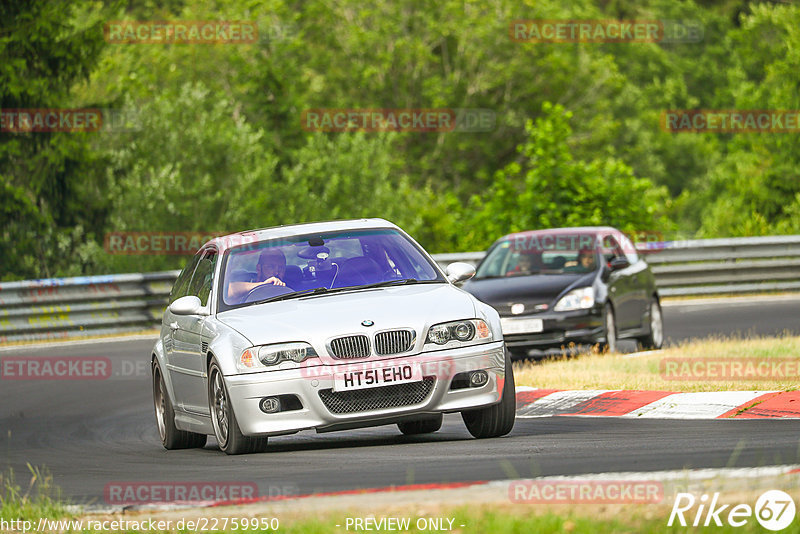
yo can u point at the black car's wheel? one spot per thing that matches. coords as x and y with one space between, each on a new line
226 428
519 354
655 339
421 426
171 437
609 329
496 420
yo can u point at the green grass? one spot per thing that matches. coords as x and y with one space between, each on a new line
38 498
615 371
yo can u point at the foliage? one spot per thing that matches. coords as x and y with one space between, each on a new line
217 143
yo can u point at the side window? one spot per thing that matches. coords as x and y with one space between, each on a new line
203 278
181 287
628 248
611 248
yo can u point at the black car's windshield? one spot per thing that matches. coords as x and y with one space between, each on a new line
540 254
321 263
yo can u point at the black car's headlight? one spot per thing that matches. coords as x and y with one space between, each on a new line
271 355
577 299
467 331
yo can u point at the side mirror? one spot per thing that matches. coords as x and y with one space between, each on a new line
188 305
620 262
459 271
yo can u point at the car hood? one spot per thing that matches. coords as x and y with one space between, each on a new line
318 318
534 290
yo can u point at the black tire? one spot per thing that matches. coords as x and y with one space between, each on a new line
226 429
498 419
421 426
609 330
519 354
655 338
171 437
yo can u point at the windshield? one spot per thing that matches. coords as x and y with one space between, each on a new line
323 262
540 254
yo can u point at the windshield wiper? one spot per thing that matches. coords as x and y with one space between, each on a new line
399 282
295 294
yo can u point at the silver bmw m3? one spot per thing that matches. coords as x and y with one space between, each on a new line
326 326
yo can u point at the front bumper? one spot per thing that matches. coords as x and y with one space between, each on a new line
559 329
246 392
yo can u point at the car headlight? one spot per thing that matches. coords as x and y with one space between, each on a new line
577 299
271 355
470 330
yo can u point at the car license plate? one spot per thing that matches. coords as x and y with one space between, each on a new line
521 326
377 376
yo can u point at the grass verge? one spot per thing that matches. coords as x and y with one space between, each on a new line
648 371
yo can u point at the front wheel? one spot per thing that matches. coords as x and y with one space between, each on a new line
655 339
496 420
609 329
226 428
171 437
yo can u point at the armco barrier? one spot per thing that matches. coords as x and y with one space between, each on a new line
62 307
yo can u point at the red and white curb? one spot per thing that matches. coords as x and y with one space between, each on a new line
532 402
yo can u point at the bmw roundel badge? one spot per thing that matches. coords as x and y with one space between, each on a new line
367 322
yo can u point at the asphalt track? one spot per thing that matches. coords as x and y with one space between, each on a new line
92 433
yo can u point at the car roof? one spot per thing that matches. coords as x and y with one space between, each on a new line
566 230
276 232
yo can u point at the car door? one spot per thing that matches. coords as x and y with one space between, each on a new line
169 323
187 366
639 280
620 285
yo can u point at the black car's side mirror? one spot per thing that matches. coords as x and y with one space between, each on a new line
620 262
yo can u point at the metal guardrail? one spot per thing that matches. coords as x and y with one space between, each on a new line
64 307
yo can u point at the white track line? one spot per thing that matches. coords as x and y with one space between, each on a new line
702 405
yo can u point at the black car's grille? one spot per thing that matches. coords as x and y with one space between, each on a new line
394 342
362 400
350 347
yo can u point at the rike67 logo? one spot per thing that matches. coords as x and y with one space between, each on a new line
774 510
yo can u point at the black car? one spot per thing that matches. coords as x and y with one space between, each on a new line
569 285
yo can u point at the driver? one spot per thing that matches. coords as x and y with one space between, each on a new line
585 262
269 270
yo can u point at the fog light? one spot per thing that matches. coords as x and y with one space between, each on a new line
270 404
478 378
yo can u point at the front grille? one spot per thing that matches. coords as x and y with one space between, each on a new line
394 342
350 347
362 400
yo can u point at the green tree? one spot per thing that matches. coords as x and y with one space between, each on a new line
548 187
46 48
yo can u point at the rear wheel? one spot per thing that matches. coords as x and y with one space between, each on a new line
171 437
655 339
496 420
226 428
421 426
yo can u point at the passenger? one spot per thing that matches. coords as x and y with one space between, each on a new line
526 264
269 270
